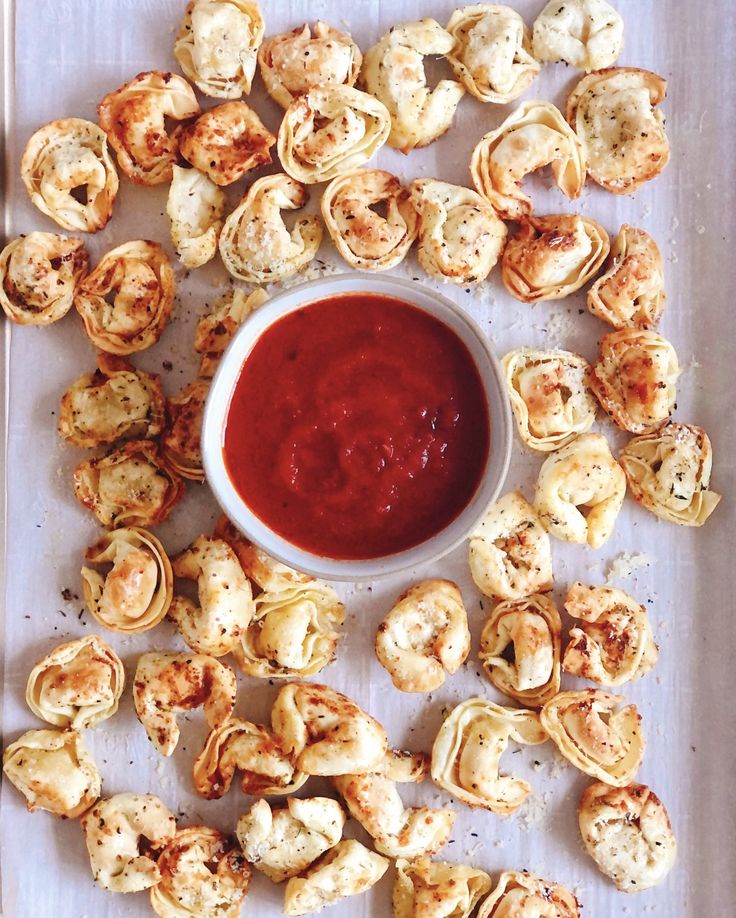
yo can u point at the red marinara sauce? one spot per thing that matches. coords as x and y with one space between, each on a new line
358 427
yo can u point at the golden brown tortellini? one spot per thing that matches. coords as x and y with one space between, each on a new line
532 631
135 592
217 43
132 485
393 71
216 328
533 136
180 442
580 490
77 685
587 34
423 887
460 235
467 752
255 244
596 734
54 771
551 257
614 113
492 52
266 572
166 684
294 62
365 238
549 395
196 207
39 275
66 156
123 834
628 834
138 279
424 636
523 895
134 117
669 472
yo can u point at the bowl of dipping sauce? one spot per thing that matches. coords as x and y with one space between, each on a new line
357 426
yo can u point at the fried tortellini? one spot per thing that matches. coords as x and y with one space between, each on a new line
669 472
69 174
628 834
255 244
167 684
467 752
584 475
615 115
364 237
460 235
126 301
424 636
423 887
492 52
224 610
134 117
523 895
596 734
587 34
529 631
39 275
123 834
270 575
393 71
135 593
217 44
551 257
295 62
533 136
180 443
54 771
549 395
77 685
282 842
216 328
196 207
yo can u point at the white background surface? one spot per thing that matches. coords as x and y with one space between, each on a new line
68 54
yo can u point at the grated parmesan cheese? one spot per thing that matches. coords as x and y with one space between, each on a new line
625 564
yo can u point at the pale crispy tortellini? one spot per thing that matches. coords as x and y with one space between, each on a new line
66 156
613 641
195 207
217 43
635 379
628 834
126 301
39 275
216 624
255 244
115 402
596 734
551 257
203 874
549 395
364 237
423 888
54 771
530 632
294 62
180 443
615 115
587 34
282 842
134 117
131 485
509 553
123 833
460 235
467 752
77 684
523 895
669 472
216 328
266 572
424 636
492 52
326 731
348 869
393 71
135 593
167 684
580 491
533 136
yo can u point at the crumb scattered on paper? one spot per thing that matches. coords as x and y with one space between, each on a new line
624 565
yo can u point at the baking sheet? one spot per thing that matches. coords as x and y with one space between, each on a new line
68 53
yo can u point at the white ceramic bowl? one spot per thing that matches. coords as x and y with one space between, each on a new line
218 403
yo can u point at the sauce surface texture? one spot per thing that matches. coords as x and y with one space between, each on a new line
358 427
